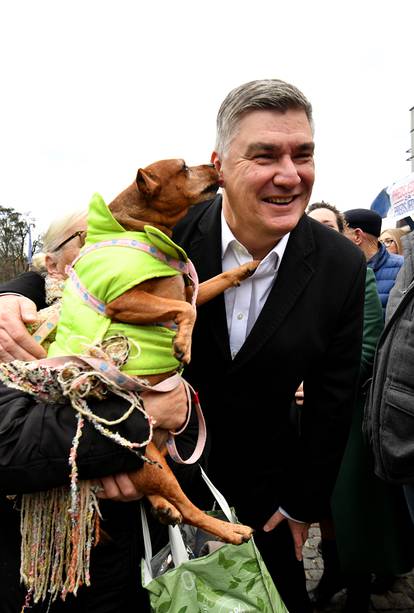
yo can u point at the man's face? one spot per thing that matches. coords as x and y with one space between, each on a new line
268 174
325 216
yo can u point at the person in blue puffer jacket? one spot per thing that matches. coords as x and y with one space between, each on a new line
364 228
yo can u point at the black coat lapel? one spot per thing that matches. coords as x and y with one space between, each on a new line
204 250
295 272
205 243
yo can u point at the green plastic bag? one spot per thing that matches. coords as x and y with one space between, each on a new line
229 579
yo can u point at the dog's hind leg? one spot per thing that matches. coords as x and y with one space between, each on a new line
152 479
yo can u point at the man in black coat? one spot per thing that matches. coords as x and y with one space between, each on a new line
298 318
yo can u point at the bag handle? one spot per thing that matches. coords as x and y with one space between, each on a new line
221 501
178 549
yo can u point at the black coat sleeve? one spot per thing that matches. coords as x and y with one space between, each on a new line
29 284
36 438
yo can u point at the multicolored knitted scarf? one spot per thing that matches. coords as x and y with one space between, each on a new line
60 526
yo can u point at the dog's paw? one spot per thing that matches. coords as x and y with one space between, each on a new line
252 266
178 353
181 354
238 534
167 514
239 274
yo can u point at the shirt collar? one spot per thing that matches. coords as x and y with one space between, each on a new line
228 240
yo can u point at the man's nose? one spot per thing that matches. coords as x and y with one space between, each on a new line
286 173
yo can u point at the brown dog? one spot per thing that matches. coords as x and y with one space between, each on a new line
160 197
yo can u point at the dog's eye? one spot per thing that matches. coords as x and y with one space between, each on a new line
185 168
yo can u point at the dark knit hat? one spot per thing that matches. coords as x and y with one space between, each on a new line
369 221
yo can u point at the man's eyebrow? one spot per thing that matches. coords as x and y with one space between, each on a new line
268 147
255 147
306 147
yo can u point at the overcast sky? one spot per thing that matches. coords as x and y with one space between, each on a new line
93 89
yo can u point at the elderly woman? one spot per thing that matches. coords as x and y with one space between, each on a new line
61 244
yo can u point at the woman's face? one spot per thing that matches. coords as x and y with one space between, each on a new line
389 242
57 260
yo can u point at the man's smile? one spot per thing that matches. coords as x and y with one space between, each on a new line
284 200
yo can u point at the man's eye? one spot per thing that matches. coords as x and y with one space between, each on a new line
263 156
304 158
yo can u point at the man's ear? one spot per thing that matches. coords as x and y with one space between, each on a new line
359 236
148 185
215 159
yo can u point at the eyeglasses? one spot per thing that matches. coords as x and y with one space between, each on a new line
80 233
388 242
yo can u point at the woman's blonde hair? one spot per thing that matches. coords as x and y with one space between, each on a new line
56 233
396 234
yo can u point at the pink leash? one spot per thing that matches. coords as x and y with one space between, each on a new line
112 373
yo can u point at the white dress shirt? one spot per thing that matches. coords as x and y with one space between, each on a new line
244 303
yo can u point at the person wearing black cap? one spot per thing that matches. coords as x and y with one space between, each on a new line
363 229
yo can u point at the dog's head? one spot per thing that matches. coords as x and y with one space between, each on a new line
163 193
170 187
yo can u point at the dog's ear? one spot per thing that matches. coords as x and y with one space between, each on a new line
148 185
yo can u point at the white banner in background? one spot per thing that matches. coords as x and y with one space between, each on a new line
401 195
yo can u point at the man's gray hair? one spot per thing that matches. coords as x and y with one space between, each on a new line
266 94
